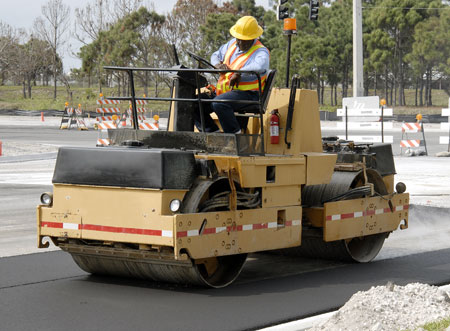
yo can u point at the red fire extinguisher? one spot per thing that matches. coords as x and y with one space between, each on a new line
274 127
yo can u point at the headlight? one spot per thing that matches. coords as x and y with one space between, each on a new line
47 199
175 205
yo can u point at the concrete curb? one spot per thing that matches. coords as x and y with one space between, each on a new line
309 322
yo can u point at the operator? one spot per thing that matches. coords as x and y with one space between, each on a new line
243 52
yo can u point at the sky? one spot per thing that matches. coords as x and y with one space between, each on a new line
22 13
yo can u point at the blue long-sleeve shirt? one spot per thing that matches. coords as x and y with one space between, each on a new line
259 61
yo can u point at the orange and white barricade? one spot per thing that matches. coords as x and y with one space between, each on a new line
148 126
140 114
79 118
72 116
104 127
107 110
106 114
409 129
67 118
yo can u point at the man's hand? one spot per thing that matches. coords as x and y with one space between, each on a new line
222 66
235 79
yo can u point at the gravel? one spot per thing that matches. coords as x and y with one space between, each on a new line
390 307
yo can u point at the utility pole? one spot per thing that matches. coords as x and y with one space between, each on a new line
358 79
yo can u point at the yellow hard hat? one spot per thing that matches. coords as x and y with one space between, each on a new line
246 28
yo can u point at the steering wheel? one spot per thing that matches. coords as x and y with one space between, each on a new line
201 59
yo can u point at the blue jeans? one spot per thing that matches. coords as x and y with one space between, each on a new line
225 111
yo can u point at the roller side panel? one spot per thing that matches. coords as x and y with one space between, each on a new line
364 217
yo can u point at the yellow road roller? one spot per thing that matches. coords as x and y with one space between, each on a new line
185 206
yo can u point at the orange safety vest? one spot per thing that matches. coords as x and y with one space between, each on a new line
223 84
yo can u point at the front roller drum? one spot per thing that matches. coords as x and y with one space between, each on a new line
211 272
223 271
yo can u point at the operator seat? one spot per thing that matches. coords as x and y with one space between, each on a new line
252 110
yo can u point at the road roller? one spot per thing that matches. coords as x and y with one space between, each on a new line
184 206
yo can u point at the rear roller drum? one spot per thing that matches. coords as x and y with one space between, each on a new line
359 249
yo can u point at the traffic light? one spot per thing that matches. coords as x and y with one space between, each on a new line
313 10
282 12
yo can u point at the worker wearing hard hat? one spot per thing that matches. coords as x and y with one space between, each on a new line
243 52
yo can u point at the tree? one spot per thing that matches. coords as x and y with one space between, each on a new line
91 20
398 23
182 26
119 45
52 29
150 50
8 39
216 31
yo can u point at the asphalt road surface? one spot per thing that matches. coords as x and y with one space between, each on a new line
48 292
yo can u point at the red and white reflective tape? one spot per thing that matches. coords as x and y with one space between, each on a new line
105 228
411 127
69 111
165 233
106 125
108 110
79 111
148 126
370 212
238 228
141 102
103 142
108 102
410 143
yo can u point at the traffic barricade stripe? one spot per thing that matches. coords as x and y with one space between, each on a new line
411 127
108 102
106 125
108 110
410 143
148 126
103 142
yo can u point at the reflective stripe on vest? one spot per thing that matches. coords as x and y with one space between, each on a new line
223 84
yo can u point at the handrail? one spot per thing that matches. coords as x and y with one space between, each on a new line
133 97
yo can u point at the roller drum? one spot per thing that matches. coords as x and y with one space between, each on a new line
360 249
106 260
